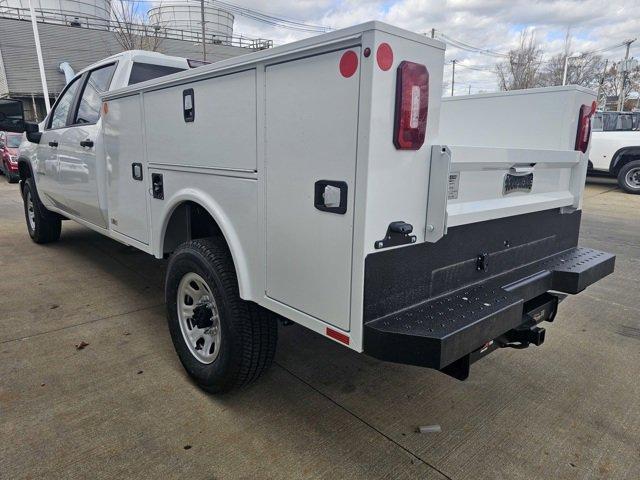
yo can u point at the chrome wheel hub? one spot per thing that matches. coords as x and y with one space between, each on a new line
199 318
31 214
633 178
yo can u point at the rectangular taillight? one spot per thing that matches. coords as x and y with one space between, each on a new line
584 127
412 102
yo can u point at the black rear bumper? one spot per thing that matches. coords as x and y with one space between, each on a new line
451 331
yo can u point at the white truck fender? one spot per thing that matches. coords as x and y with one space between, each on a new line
228 231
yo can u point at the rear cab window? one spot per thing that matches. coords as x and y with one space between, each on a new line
141 72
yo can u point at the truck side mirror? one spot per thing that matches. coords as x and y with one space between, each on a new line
33 132
11 116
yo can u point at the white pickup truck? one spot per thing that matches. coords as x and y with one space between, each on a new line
615 148
325 183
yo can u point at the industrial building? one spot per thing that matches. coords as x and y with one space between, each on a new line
82 32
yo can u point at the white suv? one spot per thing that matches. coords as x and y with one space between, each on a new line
615 148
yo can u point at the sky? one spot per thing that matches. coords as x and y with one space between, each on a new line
489 24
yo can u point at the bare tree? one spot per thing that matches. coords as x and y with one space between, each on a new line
131 30
612 85
521 69
585 70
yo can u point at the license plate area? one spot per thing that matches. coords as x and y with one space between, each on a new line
517 183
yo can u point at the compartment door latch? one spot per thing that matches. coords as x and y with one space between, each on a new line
331 196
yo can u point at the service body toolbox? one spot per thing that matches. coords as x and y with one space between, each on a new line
327 183
347 210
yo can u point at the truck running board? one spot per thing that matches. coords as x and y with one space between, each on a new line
450 332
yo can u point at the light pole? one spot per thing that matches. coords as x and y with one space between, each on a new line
36 38
204 46
566 66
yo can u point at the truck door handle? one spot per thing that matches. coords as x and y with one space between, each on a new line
53 144
86 143
136 171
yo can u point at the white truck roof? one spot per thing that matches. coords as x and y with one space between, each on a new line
142 56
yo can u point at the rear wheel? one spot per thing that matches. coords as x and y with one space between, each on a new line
222 341
43 225
629 177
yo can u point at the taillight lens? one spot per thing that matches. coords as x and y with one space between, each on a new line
584 127
412 102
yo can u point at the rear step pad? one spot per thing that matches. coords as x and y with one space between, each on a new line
437 332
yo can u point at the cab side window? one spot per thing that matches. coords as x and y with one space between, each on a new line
97 83
61 111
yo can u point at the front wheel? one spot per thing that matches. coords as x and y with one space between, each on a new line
629 177
222 341
43 225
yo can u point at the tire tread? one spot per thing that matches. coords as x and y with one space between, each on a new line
256 326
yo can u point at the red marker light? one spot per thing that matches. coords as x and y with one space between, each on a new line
384 56
348 63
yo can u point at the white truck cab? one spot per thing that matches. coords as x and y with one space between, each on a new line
615 148
326 183
64 159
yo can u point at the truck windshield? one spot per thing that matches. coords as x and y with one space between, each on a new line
141 72
13 141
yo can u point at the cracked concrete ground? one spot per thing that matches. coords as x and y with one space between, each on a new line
123 408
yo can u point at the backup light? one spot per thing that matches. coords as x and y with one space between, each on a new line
412 101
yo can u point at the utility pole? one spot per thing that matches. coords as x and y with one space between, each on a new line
623 72
36 38
453 76
600 85
204 45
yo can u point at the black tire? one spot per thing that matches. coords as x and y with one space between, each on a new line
629 177
46 225
12 178
249 333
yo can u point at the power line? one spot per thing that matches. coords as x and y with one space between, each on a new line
260 16
478 68
493 53
468 47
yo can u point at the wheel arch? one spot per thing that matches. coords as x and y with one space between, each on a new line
177 226
622 156
25 170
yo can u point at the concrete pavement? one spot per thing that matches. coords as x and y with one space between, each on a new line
123 408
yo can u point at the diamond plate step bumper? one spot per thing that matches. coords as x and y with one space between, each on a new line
463 324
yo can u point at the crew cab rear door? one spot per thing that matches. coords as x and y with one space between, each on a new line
78 146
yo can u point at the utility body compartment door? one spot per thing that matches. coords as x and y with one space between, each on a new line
127 174
311 133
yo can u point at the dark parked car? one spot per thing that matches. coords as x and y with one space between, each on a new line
9 143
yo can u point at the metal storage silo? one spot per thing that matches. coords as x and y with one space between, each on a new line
187 16
93 13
